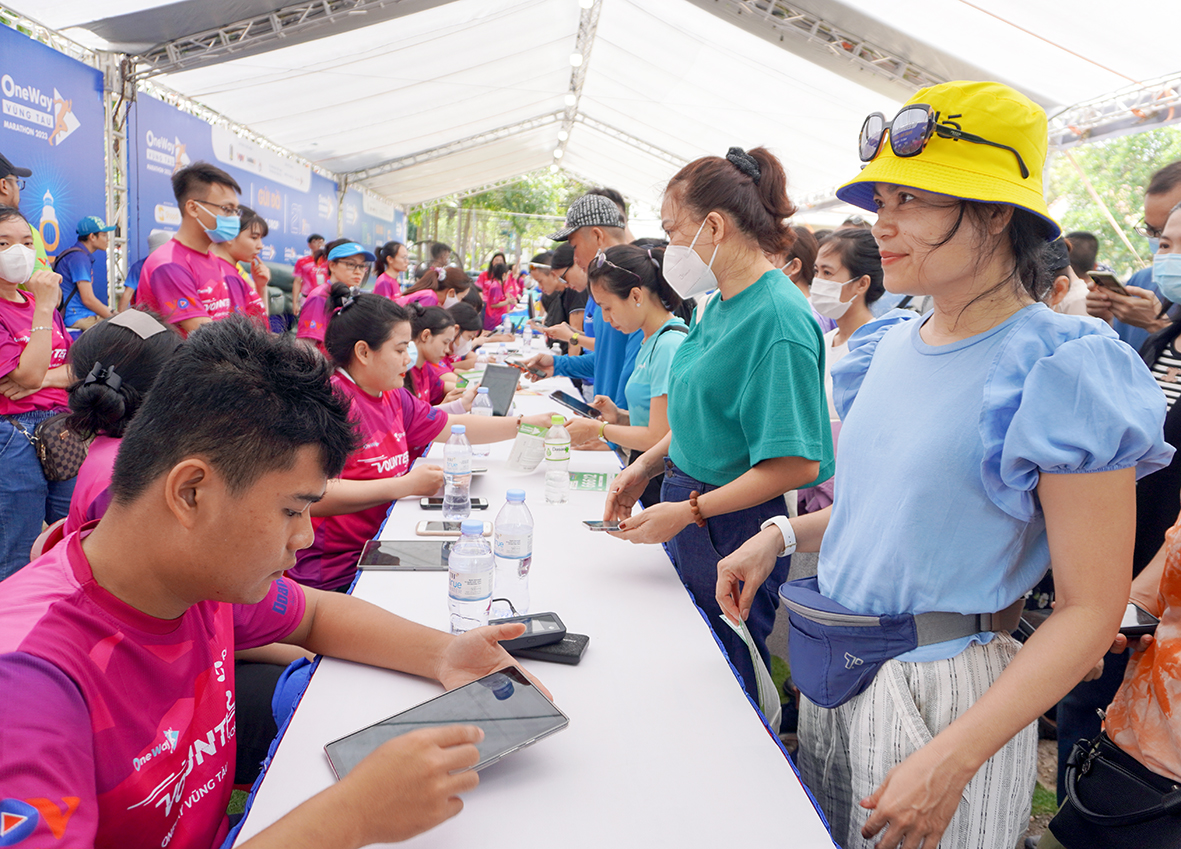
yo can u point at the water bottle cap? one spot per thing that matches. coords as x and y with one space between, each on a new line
515 495
557 419
472 527
483 390
458 429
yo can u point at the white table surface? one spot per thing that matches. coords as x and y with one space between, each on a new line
663 747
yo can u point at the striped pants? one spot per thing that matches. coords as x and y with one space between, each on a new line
846 752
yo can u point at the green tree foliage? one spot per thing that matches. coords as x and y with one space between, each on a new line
1119 170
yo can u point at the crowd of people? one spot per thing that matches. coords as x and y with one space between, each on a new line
1002 411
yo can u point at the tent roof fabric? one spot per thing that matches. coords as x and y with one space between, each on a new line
430 98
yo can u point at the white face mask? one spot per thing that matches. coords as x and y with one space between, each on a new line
17 263
450 302
825 298
461 349
686 272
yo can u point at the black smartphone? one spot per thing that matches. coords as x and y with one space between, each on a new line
576 404
518 363
541 629
568 651
1108 281
1137 621
435 502
405 555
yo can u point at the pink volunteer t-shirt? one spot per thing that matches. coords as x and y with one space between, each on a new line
118 728
180 283
92 490
244 298
310 272
16 324
387 287
392 428
427 383
426 297
313 316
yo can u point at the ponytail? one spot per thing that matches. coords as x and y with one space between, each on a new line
385 255
634 266
355 316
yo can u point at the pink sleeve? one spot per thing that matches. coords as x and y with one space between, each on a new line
422 421
313 318
176 293
273 618
47 769
10 349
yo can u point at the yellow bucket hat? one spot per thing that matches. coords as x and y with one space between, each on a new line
980 138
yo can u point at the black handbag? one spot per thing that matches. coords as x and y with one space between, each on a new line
1115 802
60 450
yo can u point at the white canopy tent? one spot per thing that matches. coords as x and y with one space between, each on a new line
419 99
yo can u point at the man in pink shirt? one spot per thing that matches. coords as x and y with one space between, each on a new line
182 281
119 715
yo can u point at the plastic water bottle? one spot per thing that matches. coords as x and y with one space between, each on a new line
555 349
457 474
557 462
512 545
526 337
470 570
482 406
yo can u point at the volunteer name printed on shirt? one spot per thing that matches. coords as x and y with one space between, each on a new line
180 283
118 729
16 331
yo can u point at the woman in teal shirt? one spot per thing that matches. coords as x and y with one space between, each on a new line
633 294
746 400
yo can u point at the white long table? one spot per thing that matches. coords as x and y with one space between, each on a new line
663 747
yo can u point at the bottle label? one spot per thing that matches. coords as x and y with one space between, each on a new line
457 465
514 547
468 586
557 451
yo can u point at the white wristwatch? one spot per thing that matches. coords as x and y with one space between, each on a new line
789 534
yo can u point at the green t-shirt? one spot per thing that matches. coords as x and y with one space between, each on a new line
747 385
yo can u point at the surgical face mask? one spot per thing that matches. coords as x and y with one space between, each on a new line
825 298
450 302
686 272
17 263
412 352
227 227
461 349
1153 245
1166 274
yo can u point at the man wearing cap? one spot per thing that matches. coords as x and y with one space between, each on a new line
81 307
12 180
593 224
182 281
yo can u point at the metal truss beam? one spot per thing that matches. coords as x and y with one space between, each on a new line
1139 107
588 25
639 144
293 24
457 146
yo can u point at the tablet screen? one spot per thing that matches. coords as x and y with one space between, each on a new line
511 711
407 555
501 383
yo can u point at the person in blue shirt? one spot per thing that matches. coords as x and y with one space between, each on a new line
81 305
978 443
155 240
594 223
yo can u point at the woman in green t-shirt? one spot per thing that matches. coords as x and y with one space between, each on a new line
746 401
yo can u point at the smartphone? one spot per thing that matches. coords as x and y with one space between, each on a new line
592 525
576 404
1107 280
518 363
1137 621
541 629
444 529
568 651
435 502
414 555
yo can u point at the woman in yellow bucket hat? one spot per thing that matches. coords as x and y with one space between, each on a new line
979 442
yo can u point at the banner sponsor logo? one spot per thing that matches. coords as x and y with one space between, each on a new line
37 113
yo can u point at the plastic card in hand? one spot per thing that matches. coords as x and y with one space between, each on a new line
576 404
506 706
501 383
405 555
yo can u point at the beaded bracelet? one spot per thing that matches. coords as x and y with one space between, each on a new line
695 510
40 327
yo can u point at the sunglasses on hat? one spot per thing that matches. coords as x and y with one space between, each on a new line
912 128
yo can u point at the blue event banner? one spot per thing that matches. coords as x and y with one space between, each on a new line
53 125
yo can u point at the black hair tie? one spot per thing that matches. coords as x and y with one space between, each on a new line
105 376
354 291
745 163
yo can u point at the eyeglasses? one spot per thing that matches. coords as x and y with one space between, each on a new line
19 183
601 259
912 128
1147 230
358 267
232 211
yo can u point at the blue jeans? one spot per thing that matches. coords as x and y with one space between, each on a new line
696 552
26 498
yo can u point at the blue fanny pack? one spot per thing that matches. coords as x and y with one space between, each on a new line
835 652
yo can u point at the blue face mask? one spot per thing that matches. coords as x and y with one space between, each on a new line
1153 245
1166 274
227 227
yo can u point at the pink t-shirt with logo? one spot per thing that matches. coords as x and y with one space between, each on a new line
92 493
387 287
244 298
180 283
394 429
311 272
426 297
313 316
16 324
118 728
